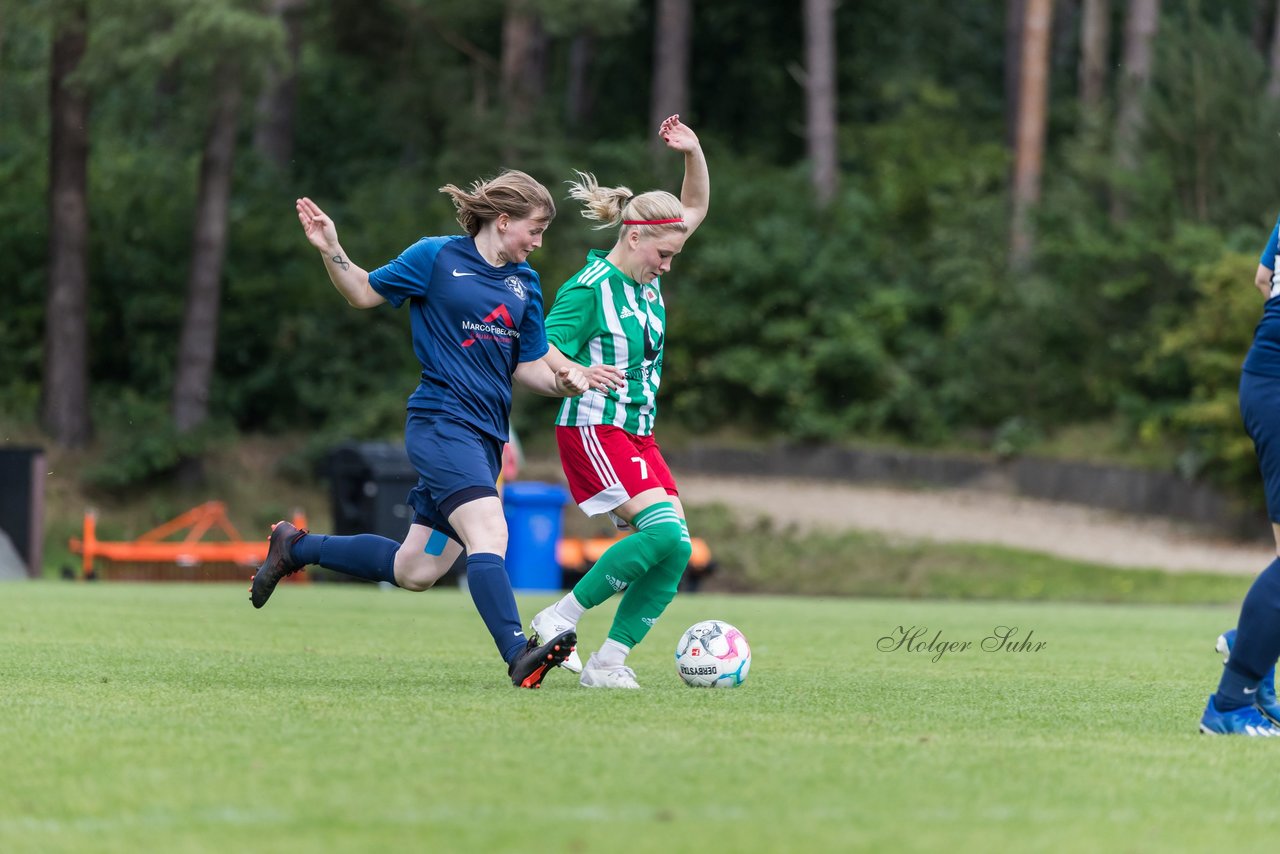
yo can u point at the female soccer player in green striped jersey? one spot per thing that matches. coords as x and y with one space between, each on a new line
612 313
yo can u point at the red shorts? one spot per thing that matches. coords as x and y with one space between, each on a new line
606 466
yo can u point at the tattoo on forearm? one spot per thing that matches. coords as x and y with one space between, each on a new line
342 262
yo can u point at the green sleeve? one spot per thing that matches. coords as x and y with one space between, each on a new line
569 321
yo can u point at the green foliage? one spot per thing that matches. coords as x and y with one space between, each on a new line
1160 309
602 17
889 314
1206 346
141 444
822 325
24 44
1208 127
201 36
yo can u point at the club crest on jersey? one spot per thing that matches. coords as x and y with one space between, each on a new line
650 294
516 286
497 325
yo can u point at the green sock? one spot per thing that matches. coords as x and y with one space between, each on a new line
658 533
649 596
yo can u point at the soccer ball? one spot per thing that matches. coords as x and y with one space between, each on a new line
713 654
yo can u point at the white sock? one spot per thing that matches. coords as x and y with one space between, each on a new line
612 653
570 608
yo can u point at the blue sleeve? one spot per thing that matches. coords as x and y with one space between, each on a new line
533 331
1268 258
409 275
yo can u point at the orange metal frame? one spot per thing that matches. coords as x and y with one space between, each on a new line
153 547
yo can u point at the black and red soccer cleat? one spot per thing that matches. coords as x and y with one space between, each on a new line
279 563
529 667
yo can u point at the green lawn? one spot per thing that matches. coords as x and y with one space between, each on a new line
340 718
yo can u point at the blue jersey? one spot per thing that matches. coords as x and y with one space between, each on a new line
472 324
1264 355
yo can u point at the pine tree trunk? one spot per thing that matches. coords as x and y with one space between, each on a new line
65 388
273 127
820 97
1063 51
1273 84
672 38
1139 32
582 50
1260 30
1095 41
197 345
1014 12
524 44
1032 113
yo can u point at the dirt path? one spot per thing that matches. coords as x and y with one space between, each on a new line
980 517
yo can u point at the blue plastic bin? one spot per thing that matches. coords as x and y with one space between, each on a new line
534 519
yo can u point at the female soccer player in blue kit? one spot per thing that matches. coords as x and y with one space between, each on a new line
477 320
1245 703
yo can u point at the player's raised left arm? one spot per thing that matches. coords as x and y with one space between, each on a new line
695 192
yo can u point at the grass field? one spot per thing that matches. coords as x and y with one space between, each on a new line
343 718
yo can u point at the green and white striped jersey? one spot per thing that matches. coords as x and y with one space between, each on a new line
602 316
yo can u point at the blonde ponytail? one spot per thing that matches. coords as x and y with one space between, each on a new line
656 210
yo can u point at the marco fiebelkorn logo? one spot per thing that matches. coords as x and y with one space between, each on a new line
918 639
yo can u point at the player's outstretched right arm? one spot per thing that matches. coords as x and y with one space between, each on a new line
351 280
540 377
599 377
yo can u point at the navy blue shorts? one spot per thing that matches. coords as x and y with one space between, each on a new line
456 463
1260 409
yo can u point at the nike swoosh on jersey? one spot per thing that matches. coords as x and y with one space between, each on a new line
456 273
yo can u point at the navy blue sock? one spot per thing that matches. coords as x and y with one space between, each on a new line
306 549
1257 642
1235 691
491 591
366 556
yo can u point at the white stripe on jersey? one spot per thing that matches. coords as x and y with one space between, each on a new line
645 412
587 408
593 272
621 353
655 378
595 400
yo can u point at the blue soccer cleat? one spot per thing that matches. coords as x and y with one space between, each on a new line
1246 720
1266 701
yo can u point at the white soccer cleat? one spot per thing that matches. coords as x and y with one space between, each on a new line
548 624
597 675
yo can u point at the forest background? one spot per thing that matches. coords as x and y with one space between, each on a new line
984 224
